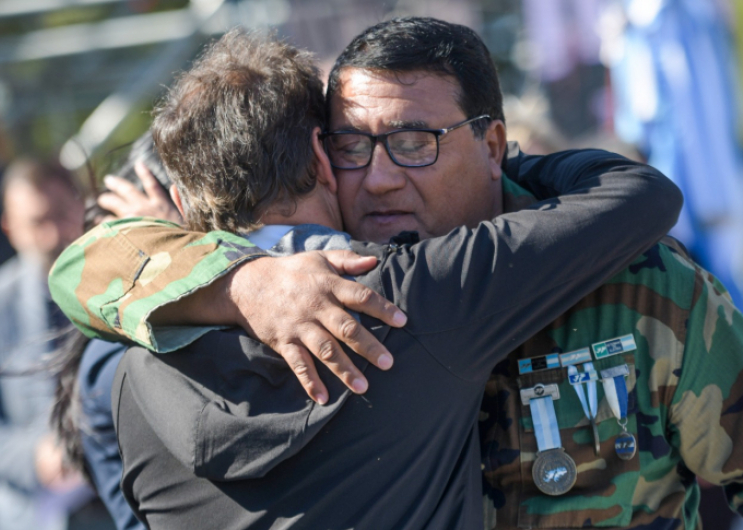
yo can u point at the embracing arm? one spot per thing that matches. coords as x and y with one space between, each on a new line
562 173
503 281
112 281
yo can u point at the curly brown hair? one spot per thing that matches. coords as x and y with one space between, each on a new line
234 132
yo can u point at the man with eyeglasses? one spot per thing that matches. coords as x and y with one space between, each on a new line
424 179
414 147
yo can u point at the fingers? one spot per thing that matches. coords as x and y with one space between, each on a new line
114 204
361 299
152 186
299 301
303 366
124 198
160 204
347 262
122 187
353 334
358 297
326 348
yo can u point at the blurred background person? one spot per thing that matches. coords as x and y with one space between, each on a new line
42 213
85 369
6 251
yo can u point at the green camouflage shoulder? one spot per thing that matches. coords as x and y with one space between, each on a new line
706 412
111 279
685 404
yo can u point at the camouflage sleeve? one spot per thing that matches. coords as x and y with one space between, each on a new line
706 409
155 264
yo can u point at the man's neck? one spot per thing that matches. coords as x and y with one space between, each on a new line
315 208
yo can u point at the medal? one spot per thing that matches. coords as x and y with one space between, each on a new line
625 445
590 406
554 472
615 389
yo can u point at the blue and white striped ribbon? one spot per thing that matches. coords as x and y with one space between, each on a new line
545 423
615 389
590 408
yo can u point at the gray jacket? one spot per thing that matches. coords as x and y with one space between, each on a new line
24 401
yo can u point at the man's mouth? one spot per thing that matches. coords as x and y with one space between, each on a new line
387 216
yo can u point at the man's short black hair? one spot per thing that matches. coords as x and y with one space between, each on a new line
419 43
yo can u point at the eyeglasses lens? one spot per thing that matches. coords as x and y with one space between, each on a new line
349 151
407 148
413 148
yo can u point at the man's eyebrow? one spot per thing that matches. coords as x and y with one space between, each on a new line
394 124
408 124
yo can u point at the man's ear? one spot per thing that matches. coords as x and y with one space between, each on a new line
323 169
176 196
495 139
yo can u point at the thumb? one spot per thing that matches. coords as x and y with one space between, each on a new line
348 262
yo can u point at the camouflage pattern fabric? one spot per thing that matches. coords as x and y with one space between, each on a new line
119 309
685 405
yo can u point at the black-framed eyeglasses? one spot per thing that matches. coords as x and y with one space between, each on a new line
406 147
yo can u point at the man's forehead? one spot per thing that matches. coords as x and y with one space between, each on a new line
22 195
368 91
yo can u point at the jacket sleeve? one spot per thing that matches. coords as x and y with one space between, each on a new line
110 280
705 409
502 282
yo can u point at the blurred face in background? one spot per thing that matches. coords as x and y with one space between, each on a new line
41 222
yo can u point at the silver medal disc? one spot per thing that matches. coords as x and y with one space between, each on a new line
625 446
554 472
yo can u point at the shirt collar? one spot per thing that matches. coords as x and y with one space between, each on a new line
267 236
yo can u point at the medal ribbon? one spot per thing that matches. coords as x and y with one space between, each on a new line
615 389
545 423
591 408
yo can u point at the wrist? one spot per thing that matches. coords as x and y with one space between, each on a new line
238 288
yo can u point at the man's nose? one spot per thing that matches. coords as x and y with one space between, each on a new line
382 174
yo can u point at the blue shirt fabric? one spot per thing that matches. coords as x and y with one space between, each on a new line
97 369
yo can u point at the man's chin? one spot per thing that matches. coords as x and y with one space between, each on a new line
383 234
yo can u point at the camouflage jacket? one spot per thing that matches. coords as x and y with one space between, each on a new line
123 287
685 405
